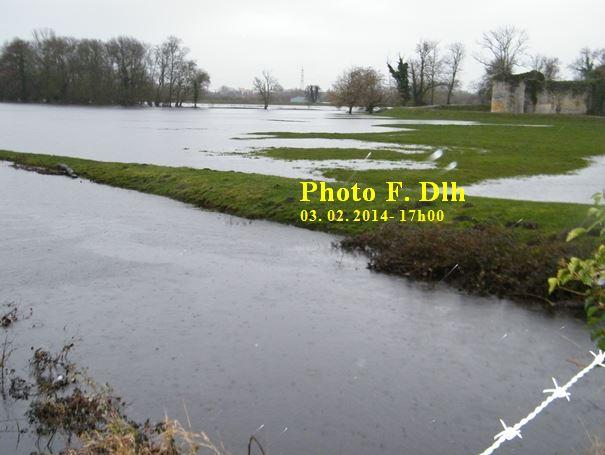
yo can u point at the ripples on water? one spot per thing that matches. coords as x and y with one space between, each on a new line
253 324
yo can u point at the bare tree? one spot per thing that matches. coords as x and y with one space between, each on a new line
200 82
587 62
183 83
52 56
453 63
16 70
549 66
600 56
363 87
266 86
434 70
504 48
348 89
158 73
173 56
425 70
312 94
373 90
128 56
92 74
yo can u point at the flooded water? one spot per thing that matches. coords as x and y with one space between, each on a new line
264 328
218 137
210 137
576 186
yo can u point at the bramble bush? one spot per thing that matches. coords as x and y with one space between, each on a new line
589 273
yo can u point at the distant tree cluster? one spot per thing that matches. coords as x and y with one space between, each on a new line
429 70
590 64
225 94
123 70
503 51
417 80
359 87
126 71
312 93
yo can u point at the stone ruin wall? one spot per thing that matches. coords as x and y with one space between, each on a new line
565 102
507 99
514 100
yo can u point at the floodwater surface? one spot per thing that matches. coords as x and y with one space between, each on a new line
576 186
266 329
215 138
218 137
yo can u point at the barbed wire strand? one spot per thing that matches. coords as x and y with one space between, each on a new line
510 433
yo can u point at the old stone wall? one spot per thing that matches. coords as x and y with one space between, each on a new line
506 98
564 102
516 98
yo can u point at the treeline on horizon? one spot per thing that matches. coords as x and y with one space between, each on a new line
431 73
123 70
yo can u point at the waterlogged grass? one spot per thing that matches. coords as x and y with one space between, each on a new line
501 146
322 154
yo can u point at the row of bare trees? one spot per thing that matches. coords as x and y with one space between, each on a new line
268 88
123 70
416 80
433 69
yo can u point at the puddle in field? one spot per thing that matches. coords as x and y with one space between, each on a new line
577 186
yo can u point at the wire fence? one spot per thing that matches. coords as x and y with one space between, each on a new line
510 433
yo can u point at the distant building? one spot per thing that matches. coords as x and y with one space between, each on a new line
531 93
298 100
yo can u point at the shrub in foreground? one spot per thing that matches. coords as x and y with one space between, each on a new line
484 259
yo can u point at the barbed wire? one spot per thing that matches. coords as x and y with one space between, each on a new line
510 433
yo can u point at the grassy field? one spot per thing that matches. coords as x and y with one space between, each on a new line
322 154
501 146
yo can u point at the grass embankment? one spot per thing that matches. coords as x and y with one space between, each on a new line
495 246
257 196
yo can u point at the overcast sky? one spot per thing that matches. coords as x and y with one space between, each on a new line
234 40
